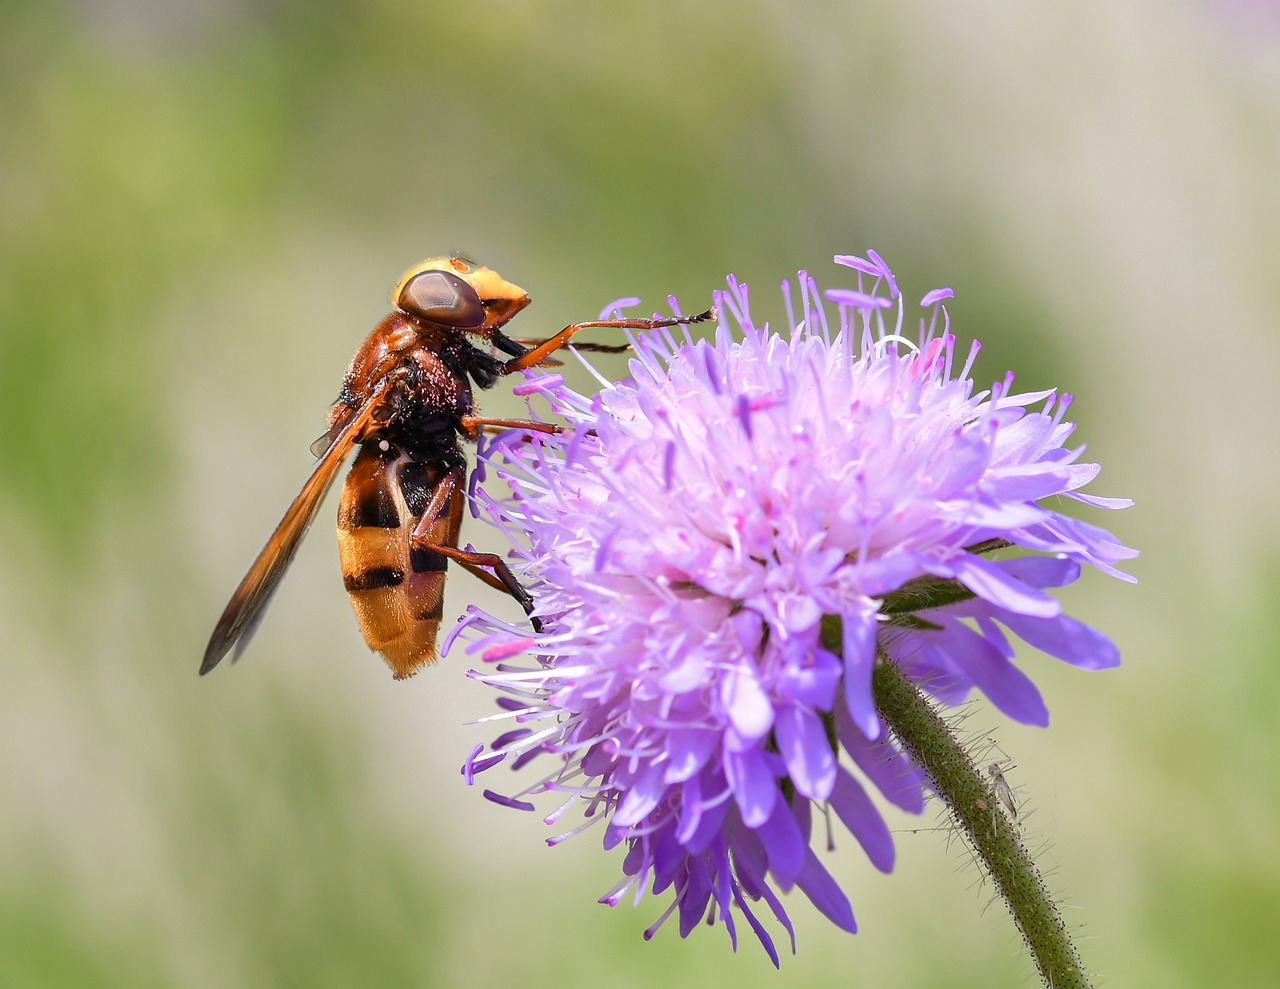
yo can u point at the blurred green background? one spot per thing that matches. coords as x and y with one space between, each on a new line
202 207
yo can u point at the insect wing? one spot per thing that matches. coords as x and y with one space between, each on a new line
240 618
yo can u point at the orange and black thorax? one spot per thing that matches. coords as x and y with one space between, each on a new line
428 372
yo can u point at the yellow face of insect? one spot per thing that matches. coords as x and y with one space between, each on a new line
457 293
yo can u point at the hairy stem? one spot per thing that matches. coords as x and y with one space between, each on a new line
975 807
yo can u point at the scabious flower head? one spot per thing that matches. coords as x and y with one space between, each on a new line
723 547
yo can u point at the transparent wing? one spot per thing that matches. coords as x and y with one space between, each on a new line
247 604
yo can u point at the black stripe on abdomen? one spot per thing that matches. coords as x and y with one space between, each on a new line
372 579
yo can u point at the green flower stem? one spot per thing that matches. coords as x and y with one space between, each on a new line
976 808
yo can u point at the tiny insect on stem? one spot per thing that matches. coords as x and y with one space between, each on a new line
1003 790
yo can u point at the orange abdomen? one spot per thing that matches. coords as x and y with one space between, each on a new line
397 591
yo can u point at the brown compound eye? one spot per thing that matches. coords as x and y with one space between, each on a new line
442 297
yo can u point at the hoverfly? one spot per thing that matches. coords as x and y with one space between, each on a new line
407 402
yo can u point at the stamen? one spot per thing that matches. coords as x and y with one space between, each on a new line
511 802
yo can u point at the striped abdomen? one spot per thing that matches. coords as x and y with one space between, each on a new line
397 591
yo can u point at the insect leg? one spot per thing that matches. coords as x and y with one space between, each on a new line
595 348
480 564
552 344
472 425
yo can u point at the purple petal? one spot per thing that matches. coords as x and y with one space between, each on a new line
709 826
1042 571
783 842
1028 482
815 685
746 703
755 886
666 858
538 383
1067 639
994 584
859 815
754 789
1079 474
763 935
694 898
688 750
1008 687
859 644
641 798
967 461
691 808
722 887
894 775
1007 515
748 845
1099 541
994 634
803 744
1099 502
888 572
825 894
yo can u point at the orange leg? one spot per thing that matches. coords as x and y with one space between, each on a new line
479 564
552 344
502 578
594 348
471 425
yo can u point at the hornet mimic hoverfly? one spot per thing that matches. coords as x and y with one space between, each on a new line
407 403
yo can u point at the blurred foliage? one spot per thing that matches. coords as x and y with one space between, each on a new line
201 205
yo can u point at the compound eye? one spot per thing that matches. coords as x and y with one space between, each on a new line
442 297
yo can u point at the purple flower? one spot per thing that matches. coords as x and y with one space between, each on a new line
692 532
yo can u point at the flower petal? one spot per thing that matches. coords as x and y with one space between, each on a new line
754 789
859 643
688 750
824 894
1067 639
859 815
783 842
806 750
1005 685
992 583
746 704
